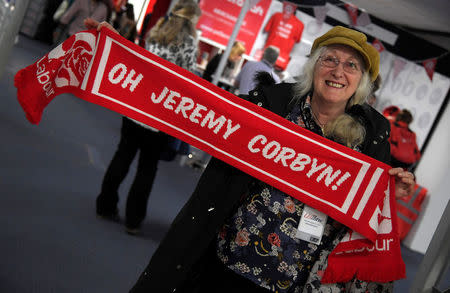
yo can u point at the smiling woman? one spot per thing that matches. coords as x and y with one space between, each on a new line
233 242
335 84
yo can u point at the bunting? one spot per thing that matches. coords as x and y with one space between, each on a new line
399 65
320 13
352 11
429 66
364 19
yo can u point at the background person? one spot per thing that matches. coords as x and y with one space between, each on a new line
124 21
212 245
236 53
391 112
245 80
99 10
48 24
404 150
174 39
60 33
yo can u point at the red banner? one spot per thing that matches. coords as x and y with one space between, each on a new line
219 17
328 176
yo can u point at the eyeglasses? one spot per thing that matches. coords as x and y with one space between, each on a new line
333 62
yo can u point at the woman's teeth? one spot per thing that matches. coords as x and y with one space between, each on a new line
333 84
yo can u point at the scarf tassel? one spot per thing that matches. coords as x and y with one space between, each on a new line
340 271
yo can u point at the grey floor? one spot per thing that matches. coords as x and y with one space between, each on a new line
50 175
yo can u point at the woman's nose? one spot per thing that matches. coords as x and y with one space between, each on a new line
338 71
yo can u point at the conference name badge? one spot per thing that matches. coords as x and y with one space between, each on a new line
312 224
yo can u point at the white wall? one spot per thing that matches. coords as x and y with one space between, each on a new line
433 172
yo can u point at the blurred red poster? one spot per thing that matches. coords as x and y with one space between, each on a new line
219 17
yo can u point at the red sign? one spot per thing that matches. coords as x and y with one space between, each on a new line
219 17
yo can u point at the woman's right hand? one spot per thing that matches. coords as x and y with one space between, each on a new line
404 182
90 23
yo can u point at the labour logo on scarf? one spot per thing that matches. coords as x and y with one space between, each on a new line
72 59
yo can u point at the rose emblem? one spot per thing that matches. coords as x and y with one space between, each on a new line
76 62
79 59
75 54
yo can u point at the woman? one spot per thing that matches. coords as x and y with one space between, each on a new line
174 39
202 250
236 53
202 253
404 150
125 23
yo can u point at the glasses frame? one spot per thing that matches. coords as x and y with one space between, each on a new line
345 64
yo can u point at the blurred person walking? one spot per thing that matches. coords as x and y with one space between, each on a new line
73 18
173 38
236 53
124 21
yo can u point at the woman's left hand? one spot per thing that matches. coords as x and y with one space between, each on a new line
404 182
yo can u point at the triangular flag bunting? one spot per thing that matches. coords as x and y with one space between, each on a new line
364 19
429 65
399 64
378 45
352 13
320 12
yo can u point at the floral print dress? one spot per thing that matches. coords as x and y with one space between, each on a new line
258 242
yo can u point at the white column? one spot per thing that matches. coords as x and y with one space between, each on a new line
237 26
11 17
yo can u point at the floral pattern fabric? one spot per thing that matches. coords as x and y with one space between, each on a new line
183 54
258 242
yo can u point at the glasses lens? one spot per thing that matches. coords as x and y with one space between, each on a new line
329 61
332 62
351 67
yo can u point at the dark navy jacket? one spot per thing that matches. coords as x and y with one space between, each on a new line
181 254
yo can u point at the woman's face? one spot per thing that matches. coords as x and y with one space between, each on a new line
336 85
234 57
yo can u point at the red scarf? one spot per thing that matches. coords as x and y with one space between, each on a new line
105 69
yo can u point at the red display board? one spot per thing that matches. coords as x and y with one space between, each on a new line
219 17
